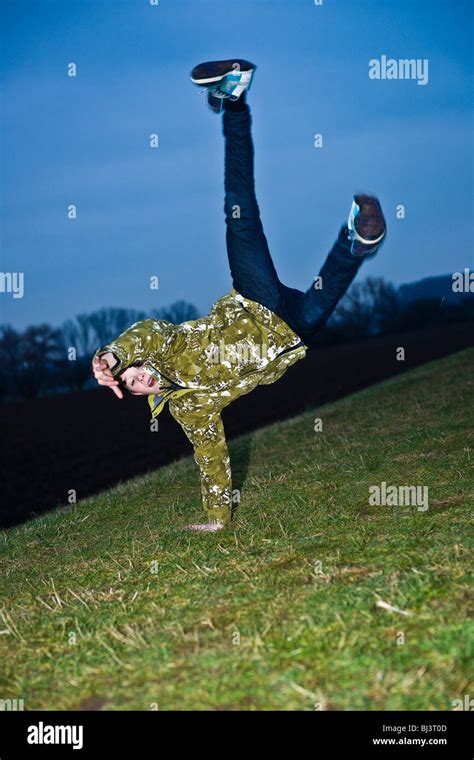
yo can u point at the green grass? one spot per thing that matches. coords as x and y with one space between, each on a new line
248 619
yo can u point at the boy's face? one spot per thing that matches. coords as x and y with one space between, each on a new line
139 382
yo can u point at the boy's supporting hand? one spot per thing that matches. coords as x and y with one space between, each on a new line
206 527
103 375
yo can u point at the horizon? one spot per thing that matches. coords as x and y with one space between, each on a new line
448 275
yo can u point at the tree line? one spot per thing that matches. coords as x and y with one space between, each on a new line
43 360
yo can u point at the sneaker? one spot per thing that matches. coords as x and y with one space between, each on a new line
366 225
223 79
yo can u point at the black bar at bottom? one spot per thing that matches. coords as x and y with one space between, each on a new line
431 734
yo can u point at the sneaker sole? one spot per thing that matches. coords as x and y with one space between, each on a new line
351 223
211 72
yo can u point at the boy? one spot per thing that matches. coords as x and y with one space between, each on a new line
255 332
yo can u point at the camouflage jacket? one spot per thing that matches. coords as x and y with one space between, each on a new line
204 364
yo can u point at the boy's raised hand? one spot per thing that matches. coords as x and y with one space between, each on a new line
103 375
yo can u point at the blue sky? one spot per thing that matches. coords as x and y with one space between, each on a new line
145 212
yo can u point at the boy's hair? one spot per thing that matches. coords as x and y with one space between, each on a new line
121 382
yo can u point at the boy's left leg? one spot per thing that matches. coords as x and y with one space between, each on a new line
358 240
252 269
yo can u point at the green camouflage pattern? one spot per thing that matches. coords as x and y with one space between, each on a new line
202 366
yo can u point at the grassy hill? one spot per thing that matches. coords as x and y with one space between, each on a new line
110 605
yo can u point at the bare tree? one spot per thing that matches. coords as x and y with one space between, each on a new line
29 357
10 355
385 303
177 312
109 322
79 333
369 307
353 313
